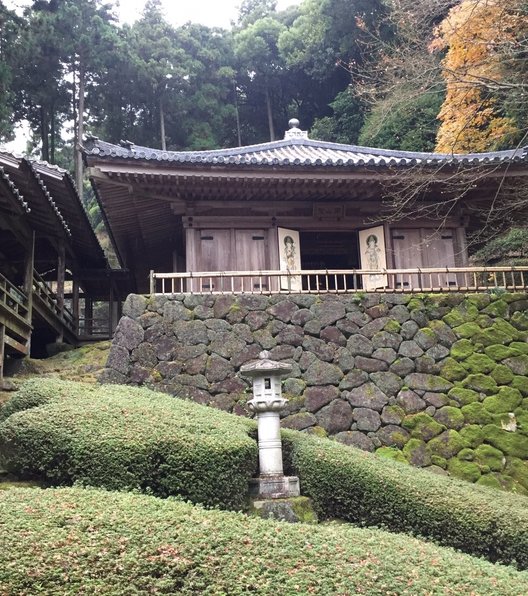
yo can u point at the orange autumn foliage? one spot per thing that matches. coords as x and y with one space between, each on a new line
479 36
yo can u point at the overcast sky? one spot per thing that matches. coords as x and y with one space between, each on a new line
214 13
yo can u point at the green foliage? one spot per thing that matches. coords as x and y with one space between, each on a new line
123 438
358 487
32 394
344 124
408 123
72 541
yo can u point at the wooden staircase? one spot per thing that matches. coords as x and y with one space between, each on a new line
15 322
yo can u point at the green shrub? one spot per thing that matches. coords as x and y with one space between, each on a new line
358 487
37 392
119 437
73 541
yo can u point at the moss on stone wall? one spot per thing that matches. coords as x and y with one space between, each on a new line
436 381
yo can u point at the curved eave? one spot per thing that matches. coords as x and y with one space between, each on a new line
13 191
294 153
65 193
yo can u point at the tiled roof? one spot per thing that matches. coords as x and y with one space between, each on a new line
302 152
14 190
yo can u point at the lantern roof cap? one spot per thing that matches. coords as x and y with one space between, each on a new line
265 366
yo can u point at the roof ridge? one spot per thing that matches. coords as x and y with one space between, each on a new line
290 152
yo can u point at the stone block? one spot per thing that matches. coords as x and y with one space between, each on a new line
370 365
353 379
335 417
355 439
291 510
368 396
366 419
318 397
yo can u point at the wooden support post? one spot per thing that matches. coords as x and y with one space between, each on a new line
61 274
88 315
2 353
29 267
28 275
111 310
461 256
75 305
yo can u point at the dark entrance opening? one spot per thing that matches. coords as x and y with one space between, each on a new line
331 251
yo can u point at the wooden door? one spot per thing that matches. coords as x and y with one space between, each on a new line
215 255
439 251
250 255
407 247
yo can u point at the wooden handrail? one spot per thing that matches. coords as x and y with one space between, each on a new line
13 298
42 289
431 279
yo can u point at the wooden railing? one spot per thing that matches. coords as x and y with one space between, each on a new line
42 290
96 327
438 279
13 299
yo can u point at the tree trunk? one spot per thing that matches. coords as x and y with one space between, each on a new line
239 134
162 126
44 133
80 132
270 115
52 134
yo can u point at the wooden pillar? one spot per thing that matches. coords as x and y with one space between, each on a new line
461 258
191 240
88 315
75 305
28 280
111 310
2 353
61 274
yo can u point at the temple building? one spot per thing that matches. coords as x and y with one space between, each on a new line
294 204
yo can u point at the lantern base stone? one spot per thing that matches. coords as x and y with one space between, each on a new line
293 510
274 487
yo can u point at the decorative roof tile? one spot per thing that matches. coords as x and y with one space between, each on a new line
299 152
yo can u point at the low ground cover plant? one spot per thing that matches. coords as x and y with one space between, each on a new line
358 487
124 438
73 541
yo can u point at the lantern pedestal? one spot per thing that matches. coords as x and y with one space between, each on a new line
274 487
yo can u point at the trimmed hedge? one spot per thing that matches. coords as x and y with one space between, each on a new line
129 438
73 541
35 393
123 438
360 487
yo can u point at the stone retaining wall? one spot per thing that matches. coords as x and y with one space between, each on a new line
439 381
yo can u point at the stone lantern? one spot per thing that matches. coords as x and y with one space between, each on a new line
267 403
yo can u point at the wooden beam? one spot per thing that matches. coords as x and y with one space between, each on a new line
15 345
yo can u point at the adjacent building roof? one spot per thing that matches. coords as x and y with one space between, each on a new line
52 205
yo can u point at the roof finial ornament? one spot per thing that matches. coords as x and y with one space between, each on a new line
293 123
295 132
